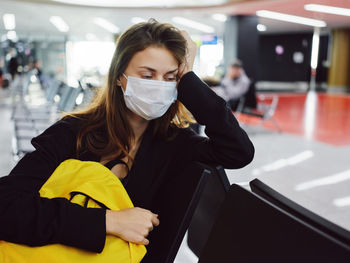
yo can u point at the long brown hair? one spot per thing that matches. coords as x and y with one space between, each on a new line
106 130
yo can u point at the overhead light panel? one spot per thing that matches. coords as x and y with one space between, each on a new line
59 23
106 25
328 9
107 3
136 20
9 21
291 18
219 17
193 24
141 3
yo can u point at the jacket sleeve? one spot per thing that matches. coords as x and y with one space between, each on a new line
26 218
227 144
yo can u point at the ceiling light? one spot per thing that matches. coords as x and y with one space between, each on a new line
59 23
116 3
291 18
261 27
104 3
219 17
106 25
193 24
328 9
9 21
136 20
140 3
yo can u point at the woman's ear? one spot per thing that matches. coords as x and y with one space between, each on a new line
119 83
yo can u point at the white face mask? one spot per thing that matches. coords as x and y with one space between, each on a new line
149 99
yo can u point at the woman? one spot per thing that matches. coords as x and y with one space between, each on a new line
139 122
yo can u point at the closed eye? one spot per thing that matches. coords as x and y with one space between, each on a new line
170 77
147 77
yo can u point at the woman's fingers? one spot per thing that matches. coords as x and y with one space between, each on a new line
133 224
155 220
145 242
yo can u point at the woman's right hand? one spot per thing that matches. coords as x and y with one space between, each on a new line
132 224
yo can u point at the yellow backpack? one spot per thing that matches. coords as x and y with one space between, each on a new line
74 180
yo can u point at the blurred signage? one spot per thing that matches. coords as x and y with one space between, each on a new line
209 39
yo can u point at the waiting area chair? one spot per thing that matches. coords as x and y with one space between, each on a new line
262 106
30 120
300 212
214 193
251 229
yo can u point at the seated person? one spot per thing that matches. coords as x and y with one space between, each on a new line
139 115
234 85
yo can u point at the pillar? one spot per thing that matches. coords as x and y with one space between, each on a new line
241 40
339 71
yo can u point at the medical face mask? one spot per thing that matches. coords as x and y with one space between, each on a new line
149 99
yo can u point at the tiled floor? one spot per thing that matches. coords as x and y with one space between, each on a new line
315 116
308 162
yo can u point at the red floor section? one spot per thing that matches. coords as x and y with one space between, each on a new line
316 116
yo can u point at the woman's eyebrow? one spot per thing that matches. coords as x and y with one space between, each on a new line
172 71
154 70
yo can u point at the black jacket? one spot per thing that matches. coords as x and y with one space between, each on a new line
27 218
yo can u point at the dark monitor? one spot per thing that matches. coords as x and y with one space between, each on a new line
306 215
212 197
251 229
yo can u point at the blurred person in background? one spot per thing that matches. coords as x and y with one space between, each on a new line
139 123
37 68
4 78
234 85
38 71
12 66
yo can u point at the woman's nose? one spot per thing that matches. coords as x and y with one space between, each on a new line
158 77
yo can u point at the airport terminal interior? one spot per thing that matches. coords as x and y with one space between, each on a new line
296 54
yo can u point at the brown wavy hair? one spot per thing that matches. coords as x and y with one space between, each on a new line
105 130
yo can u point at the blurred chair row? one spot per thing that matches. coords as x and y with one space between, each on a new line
258 105
36 105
